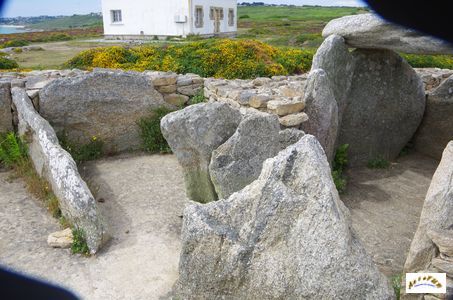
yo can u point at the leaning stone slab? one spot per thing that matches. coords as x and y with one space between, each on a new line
436 129
287 235
436 216
334 58
369 31
193 133
6 117
238 162
59 169
105 104
386 103
322 110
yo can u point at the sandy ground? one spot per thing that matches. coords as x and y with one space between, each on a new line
385 207
142 197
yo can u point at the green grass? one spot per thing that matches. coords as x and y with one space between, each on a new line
75 21
198 98
339 164
153 140
84 152
79 244
378 163
396 283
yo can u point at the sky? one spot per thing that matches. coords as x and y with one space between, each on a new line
27 8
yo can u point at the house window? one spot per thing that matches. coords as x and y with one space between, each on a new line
116 16
231 17
198 16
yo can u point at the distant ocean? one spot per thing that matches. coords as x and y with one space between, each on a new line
7 29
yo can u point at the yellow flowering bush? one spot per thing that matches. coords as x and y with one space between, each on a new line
225 58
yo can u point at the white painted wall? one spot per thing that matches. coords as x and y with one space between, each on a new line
208 25
155 17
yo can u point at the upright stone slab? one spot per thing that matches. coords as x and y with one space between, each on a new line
6 117
386 103
104 104
59 169
432 247
436 129
322 110
370 31
193 133
334 58
287 235
238 162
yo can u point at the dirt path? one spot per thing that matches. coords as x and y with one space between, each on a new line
143 198
385 207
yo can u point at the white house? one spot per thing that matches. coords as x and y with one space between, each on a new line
150 18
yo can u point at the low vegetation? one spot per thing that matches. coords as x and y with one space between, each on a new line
224 58
84 152
396 283
339 164
198 98
429 61
13 155
79 244
378 163
7 63
153 140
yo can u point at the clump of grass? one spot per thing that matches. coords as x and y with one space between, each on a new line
198 98
339 164
85 152
396 283
378 163
79 244
7 64
153 140
13 154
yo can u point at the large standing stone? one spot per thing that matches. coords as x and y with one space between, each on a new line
285 236
386 103
105 104
334 58
238 162
436 129
322 111
6 117
371 32
436 216
59 169
193 133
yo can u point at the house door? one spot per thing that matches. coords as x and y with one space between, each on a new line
217 18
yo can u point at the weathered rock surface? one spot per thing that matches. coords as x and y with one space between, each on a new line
193 133
436 129
238 162
334 58
433 77
285 236
436 217
322 110
386 103
105 104
371 32
285 107
6 117
289 136
293 120
57 166
61 239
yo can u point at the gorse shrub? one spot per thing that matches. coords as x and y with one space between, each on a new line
153 140
208 58
6 63
14 43
429 61
339 164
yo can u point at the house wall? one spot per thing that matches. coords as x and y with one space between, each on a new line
208 24
148 16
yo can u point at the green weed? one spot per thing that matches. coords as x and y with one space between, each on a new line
85 152
396 283
378 163
153 140
339 164
198 98
79 244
